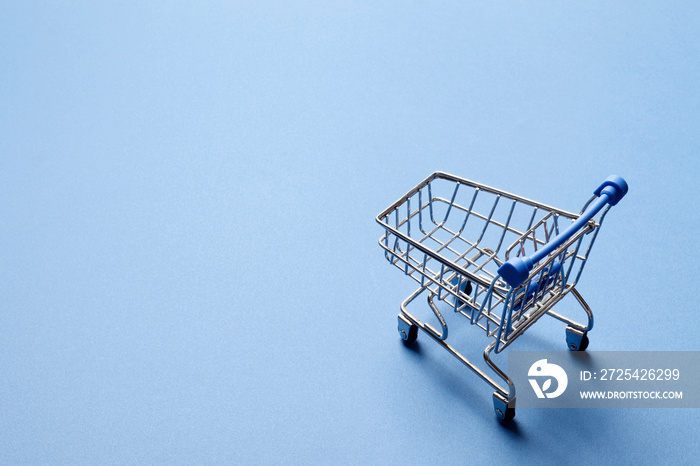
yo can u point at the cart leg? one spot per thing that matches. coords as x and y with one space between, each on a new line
576 333
503 402
576 337
585 307
407 330
505 409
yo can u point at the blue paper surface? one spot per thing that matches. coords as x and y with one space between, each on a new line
188 260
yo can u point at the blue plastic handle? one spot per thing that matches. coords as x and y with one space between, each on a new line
516 270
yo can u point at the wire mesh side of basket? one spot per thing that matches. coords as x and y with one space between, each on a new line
449 231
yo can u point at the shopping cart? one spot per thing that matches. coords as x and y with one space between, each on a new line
499 260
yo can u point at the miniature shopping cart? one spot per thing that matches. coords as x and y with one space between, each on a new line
499 260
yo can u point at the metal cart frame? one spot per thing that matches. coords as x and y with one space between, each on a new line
450 234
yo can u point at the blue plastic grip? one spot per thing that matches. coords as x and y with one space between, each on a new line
516 270
615 187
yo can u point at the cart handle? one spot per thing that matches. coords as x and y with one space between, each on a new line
516 270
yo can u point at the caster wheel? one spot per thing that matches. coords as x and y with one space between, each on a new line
508 416
465 288
407 331
576 340
505 410
584 343
411 336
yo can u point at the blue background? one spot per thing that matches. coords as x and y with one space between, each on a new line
188 260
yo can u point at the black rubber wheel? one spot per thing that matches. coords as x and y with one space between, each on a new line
582 346
572 346
412 334
510 414
584 343
467 288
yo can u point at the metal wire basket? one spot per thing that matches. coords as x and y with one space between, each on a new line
500 260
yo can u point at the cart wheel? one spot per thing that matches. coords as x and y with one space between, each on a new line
465 288
576 340
509 415
505 410
407 330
